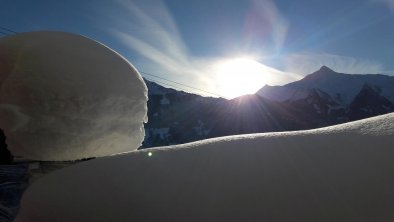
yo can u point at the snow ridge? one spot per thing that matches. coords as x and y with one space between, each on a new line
337 173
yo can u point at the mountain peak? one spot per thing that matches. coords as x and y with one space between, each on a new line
325 69
323 73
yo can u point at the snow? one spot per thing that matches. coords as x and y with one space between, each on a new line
200 129
338 173
333 108
339 86
282 93
67 97
317 108
163 133
165 101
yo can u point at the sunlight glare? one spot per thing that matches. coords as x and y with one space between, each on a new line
240 76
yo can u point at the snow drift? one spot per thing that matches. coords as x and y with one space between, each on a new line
67 97
338 173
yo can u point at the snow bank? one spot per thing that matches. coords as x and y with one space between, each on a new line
339 173
66 97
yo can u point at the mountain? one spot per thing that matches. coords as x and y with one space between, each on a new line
342 88
320 99
369 102
177 117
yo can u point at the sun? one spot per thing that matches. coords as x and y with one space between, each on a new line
240 76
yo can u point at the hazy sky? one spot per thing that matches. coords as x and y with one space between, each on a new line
195 41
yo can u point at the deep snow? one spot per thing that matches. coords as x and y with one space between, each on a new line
67 97
338 173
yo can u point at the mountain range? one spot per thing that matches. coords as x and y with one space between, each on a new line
320 99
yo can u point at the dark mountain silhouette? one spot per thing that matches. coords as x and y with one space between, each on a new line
322 98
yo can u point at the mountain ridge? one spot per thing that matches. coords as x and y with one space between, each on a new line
340 86
177 117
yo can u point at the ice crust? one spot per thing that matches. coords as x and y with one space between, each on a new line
65 97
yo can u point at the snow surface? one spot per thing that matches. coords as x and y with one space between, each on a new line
338 173
66 97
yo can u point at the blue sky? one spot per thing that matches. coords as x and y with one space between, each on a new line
188 41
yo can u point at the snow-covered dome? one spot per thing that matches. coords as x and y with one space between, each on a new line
65 97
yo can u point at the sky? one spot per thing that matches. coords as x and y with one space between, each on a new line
224 47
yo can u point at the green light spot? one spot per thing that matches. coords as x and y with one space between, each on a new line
150 153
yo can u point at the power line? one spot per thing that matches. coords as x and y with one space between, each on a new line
170 85
3 33
191 87
166 84
174 86
8 30
5 30
182 84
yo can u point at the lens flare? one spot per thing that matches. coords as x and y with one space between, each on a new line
240 76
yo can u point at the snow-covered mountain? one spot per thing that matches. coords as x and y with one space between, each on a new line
321 99
342 88
176 117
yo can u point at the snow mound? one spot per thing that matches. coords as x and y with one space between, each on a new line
338 173
67 97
